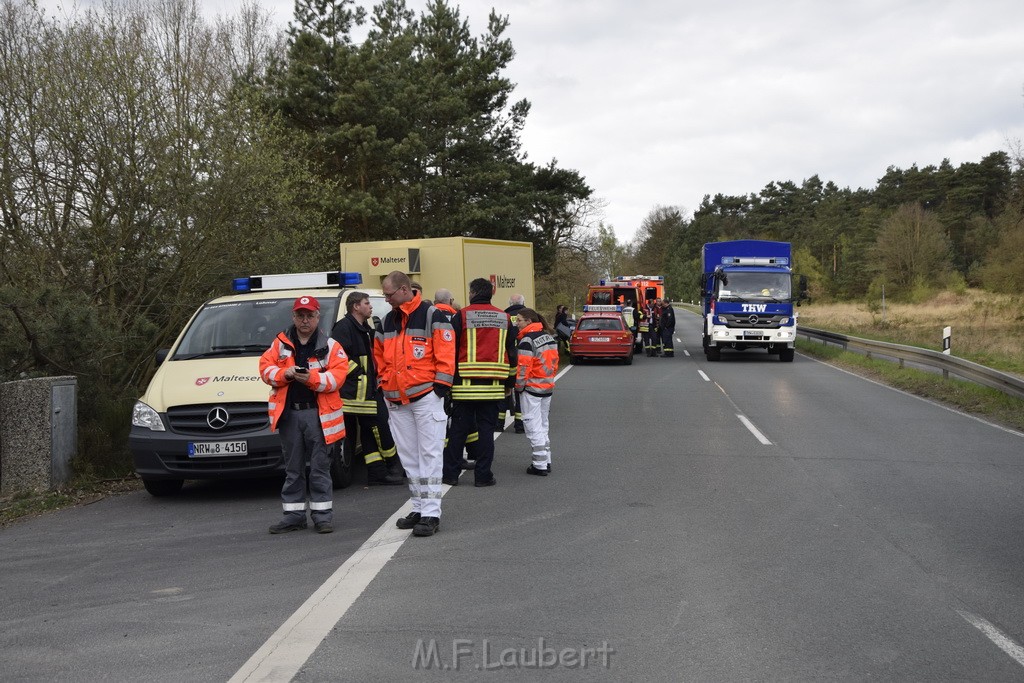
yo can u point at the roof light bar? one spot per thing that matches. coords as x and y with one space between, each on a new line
257 283
755 260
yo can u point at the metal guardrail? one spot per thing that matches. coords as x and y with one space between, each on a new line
974 372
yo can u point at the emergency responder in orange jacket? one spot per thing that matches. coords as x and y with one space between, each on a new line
484 374
415 355
305 369
516 303
535 382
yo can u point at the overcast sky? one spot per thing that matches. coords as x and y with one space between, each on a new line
660 102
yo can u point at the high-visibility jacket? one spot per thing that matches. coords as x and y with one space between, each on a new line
413 350
448 311
328 367
538 361
485 350
358 393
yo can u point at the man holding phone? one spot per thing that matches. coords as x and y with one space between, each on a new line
306 368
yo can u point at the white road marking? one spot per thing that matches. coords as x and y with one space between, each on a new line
701 373
753 430
686 352
1001 640
286 651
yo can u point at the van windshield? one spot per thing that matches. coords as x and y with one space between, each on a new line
244 328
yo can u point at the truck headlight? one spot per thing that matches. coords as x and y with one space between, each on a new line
146 417
784 321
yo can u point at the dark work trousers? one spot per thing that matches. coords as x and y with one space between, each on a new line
377 443
302 437
467 417
666 342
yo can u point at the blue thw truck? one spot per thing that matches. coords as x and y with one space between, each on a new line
747 296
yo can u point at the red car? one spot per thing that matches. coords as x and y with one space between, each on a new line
601 332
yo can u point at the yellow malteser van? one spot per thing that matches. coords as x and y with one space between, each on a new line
204 414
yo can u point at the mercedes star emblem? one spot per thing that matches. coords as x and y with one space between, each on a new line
217 418
753 319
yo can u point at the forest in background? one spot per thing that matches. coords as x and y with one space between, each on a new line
150 155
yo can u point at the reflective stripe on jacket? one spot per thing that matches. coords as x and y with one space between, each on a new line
414 349
538 361
358 391
328 367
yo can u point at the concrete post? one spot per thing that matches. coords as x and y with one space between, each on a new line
38 433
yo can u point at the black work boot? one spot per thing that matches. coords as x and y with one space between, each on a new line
427 526
377 475
394 466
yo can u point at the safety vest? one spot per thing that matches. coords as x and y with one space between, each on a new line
483 365
538 361
413 350
328 368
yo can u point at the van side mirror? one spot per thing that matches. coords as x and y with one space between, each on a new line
803 290
161 356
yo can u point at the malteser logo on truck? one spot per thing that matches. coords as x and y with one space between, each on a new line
386 260
503 281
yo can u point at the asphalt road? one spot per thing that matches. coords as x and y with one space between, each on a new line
741 520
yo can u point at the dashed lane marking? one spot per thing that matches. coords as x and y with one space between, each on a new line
1001 640
754 430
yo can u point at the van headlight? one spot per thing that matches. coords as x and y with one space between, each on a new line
146 417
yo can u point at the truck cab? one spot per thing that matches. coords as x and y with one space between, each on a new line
204 414
747 297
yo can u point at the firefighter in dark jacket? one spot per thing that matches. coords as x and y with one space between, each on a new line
668 327
485 365
359 393
516 303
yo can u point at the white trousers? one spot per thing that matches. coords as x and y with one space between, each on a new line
536 411
418 429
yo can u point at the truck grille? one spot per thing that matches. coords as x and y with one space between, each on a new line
752 320
202 420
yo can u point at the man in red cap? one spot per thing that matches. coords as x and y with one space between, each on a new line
306 368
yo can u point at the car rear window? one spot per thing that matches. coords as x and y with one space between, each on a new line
599 324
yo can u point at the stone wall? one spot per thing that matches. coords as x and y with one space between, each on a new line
38 433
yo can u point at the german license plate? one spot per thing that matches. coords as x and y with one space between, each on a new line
753 335
212 449
600 339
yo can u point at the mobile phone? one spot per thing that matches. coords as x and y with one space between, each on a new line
299 368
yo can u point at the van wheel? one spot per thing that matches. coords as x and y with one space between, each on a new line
341 468
163 487
786 355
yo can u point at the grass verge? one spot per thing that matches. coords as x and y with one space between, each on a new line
986 402
81 491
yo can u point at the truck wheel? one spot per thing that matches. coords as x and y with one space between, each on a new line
163 487
786 355
341 468
713 354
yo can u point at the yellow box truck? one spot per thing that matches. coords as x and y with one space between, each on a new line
447 262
